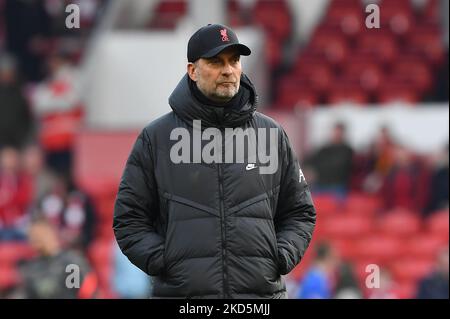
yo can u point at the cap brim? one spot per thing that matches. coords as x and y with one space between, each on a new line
242 49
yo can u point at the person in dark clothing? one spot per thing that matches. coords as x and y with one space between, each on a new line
54 273
435 285
346 285
439 184
16 120
27 28
71 211
202 226
332 163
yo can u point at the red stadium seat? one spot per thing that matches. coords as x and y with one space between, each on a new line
346 226
307 58
393 91
347 92
400 222
319 76
362 204
295 91
235 20
397 15
9 277
274 17
333 47
438 223
304 98
99 159
236 14
345 248
425 245
13 252
345 3
326 30
172 6
367 74
379 249
413 70
273 51
426 40
167 14
347 15
411 269
432 11
326 204
377 45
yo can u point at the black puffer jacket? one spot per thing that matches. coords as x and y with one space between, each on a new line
212 230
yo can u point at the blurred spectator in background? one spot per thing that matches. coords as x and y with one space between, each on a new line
372 168
439 189
46 276
405 185
435 285
42 179
383 151
332 164
71 212
16 121
128 281
346 286
15 195
27 30
318 281
58 92
57 106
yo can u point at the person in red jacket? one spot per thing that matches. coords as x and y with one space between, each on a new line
406 183
15 195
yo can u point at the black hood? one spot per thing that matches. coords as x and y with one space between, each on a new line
188 108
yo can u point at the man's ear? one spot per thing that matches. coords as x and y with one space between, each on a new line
191 71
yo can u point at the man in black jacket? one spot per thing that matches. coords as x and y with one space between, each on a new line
210 215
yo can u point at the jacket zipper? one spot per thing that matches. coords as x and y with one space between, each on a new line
223 226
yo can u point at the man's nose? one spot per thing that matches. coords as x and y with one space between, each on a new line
227 69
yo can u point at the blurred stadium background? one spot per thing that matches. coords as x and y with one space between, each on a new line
366 109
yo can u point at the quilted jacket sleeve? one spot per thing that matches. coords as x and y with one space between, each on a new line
295 217
136 209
